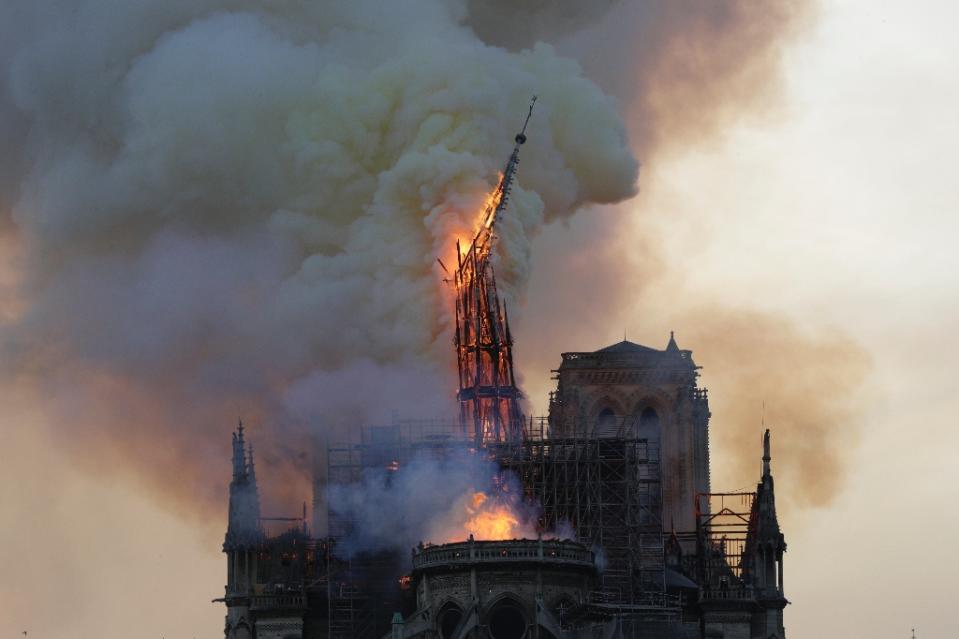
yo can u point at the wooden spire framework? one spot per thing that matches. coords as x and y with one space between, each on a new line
488 395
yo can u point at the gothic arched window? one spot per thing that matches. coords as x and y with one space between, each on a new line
449 620
649 426
606 423
507 620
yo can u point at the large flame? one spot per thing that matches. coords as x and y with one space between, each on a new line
489 520
483 221
488 217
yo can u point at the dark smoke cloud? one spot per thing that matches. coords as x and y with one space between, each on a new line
224 207
685 68
683 71
228 208
521 23
390 509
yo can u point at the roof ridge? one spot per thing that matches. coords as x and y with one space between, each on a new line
627 346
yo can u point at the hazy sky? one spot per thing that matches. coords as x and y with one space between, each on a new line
836 208
840 208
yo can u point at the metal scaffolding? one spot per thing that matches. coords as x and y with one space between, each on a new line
358 588
608 491
724 523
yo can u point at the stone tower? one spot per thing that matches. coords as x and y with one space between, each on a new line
243 535
631 391
765 549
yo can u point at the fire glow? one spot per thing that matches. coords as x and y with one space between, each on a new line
482 223
490 205
488 517
490 521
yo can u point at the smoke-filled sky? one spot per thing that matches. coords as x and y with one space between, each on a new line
218 208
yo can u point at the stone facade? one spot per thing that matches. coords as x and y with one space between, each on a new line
609 405
629 390
501 590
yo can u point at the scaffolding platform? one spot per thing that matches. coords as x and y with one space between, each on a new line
608 491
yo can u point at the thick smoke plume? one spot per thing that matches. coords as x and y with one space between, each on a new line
683 71
222 207
235 208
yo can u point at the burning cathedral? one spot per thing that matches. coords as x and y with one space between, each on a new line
627 537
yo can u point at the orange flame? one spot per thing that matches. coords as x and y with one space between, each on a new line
483 219
492 201
489 521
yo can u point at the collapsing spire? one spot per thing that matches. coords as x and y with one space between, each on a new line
488 396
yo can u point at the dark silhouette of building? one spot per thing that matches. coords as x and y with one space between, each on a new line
622 462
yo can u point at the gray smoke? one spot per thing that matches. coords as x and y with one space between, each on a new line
212 208
235 207
397 508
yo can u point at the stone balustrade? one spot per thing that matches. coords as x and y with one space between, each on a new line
516 550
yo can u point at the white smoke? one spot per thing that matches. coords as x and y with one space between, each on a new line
221 205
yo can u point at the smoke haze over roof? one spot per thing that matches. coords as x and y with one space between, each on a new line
218 208
225 208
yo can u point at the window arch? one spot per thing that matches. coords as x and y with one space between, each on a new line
649 424
507 620
603 415
449 619
606 425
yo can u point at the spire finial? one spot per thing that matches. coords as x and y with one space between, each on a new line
239 462
671 346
